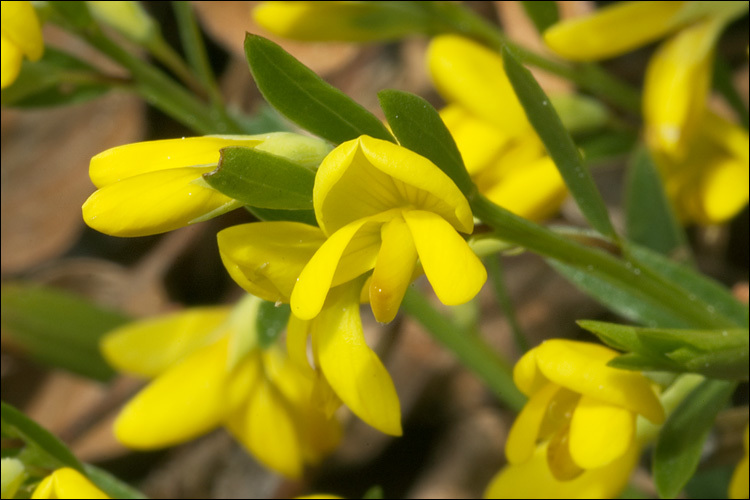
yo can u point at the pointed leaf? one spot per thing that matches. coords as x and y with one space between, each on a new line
559 144
542 13
418 126
303 97
112 486
680 443
270 214
261 179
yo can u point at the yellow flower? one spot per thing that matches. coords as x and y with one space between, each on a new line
534 479
153 187
67 483
13 474
738 488
584 410
266 258
502 153
677 84
21 36
209 373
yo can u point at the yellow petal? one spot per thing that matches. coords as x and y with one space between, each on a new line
523 435
297 333
183 403
266 427
393 270
11 62
265 258
527 376
67 483
149 347
533 479
352 369
560 462
600 433
534 192
20 26
612 30
677 83
155 202
738 486
358 242
479 142
581 367
471 75
365 176
454 271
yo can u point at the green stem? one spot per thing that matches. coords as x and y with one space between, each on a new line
468 347
590 77
497 278
515 229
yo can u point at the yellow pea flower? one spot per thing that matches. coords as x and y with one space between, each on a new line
677 84
738 487
582 409
205 378
157 186
67 483
502 153
21 37
13 474
266 258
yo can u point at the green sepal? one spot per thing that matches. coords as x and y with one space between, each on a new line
270 214
680 444
261 179
304 98
559 144
418 126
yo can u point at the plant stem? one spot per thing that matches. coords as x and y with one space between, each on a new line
497 278
468 347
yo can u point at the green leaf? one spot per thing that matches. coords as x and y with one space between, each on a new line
58 328
75 14
418 127
705 292
542 13
559 144
56 79
678 448
270 322
303 97
269 214
110 485
714 353
261 179
52 451
650 220
606 146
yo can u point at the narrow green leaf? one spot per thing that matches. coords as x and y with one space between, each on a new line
269 214
606 146
418 127
58 328
559 144
303 97
75 14
636 362
705 292
261 179
650 220
542 13
271 321
56 79
678 448
54 453
110 485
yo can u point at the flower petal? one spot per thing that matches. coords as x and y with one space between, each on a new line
560 462
155 202
677 83
612 30
149 347
393 270
265 258
523 435
365 176
12 57
183 403
20 26
473 76
67 483
454 271
478 141
581 367
600 433
348 253
526 374
352 369
533 479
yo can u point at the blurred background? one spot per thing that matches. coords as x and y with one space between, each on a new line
454 430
